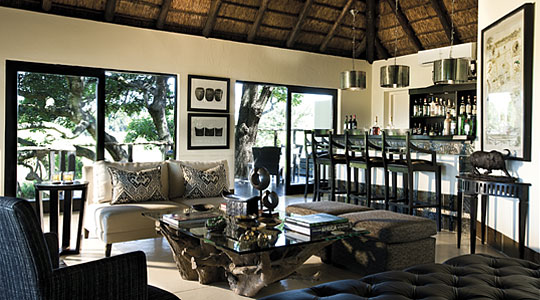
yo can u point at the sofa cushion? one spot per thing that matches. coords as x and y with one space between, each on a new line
391 227
102 179
136 186
204 184
329 207
176 175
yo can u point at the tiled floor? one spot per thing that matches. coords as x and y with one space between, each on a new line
162 270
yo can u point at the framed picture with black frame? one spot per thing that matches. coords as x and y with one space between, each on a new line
208 94
208 131
506 85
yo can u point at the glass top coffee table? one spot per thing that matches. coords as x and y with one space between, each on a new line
246 253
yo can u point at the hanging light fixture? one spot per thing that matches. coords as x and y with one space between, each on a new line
353 80
395 76
450 70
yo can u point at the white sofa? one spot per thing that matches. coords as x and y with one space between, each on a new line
124 222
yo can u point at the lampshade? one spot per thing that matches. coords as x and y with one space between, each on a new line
450 70
394 76
353 80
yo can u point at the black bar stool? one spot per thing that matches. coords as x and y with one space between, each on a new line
324 153
408 166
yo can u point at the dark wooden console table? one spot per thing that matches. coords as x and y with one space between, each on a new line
474 186
68 189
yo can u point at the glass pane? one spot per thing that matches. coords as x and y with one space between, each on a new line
308 112
139 116
56 127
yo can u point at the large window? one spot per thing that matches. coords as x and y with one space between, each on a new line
59 118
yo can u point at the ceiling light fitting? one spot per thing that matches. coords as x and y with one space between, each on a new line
395 76
451 70
353 80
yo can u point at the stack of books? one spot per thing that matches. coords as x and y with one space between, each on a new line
315 225
195 219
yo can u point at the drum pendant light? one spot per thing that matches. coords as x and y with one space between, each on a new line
451 70
353 80
395 76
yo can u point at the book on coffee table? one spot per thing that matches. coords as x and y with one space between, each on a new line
182 219
316 224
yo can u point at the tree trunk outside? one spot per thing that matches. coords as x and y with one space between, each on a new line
157 110
251 108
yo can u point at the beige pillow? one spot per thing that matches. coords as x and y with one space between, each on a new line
102 179
177 185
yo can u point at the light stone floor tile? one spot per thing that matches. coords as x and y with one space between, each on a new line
162 270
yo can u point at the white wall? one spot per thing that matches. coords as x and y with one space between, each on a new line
36 37
503 212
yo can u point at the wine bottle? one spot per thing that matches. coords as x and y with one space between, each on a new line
346 123
468 106
376 130
354 123
467 126
447 124
461 119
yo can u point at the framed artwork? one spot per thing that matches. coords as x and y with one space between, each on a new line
506 86
208 94
208 131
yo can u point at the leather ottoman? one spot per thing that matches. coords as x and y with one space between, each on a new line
473 276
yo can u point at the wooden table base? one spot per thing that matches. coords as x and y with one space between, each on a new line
246 273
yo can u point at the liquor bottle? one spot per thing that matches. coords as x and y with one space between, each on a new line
473 125
474 106
391 124
453 125
350 122
415 108
426 108
425 131
433 108
447 124
346 123
375 129
461 119
431 132
354 123
468 106
467 126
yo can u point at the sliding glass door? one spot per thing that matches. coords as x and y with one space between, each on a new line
309 109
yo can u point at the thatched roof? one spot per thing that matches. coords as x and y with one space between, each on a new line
321 26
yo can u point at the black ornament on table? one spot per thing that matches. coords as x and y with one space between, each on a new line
493 160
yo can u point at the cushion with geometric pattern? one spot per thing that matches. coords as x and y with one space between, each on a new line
204 184
136 186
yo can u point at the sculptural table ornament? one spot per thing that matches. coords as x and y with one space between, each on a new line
247 266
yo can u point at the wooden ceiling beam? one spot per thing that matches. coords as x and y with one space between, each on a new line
294 33
163 14
212 16
361 48
404 22
258 19
110 7
46 5
445 20
370 30
332 31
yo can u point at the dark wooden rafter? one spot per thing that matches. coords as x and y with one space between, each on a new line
381 51
258 19
296 30
46 5
212 16
445 20
163 13
361 48
404 22
110 7
330 34
370 30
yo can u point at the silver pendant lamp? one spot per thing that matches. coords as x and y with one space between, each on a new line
450 70
395 76
353 80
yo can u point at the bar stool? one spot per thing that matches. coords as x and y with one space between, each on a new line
408 166
365 162
324 153
309 157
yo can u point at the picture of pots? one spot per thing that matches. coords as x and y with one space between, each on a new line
218 95
219 131
209 94
199 131
209 131
199 93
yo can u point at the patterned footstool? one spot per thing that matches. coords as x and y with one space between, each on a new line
329 207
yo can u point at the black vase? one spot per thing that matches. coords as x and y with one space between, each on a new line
209 131
218 95
209 94
219 131
199 93
199 131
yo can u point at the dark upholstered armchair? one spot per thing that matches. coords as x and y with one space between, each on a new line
268 157
29 265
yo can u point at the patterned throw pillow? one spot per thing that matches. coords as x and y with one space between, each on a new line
204 184
136 186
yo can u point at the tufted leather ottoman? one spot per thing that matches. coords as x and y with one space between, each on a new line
473 276
329 207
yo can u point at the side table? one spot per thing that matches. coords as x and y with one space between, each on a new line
54 189
474 186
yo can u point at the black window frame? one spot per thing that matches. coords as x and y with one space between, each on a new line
11 109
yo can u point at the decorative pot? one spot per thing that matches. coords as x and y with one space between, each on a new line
218 95
210 94
199 93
